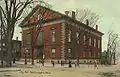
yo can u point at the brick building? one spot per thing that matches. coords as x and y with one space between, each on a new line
16 49
51 35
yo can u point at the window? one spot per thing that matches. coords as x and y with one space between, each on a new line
83 54
94 42
53 51
69 36
28 38
84 39
53 34
98 54
77 36
69 52
40 17
90 41
98 43
89 54
39 38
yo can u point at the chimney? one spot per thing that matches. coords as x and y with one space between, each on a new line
87 22
96 27
73 15
17 38
66 13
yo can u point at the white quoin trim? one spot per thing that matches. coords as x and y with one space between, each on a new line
46 24
63 40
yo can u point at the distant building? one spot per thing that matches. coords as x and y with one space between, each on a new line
58 37
16 51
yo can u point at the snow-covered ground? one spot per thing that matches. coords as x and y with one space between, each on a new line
21 70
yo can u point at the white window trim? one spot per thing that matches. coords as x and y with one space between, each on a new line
84 39
53 35
94 42
69 35
90 41
53 51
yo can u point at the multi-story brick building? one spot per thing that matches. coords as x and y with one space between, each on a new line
58 36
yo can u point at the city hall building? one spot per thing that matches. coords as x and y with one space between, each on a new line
50 35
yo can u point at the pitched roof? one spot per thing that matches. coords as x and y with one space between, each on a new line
63 16
34 10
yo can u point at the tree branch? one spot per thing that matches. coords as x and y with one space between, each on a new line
21 10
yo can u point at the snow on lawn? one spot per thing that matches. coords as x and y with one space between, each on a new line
49 71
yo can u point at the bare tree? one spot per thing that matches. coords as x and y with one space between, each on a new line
113 43
86 14
10 13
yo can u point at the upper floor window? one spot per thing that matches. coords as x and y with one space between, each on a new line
77 36
53 51
53 34
98 43
94 42
84 39
69 35
90 41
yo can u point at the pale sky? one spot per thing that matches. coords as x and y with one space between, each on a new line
108 9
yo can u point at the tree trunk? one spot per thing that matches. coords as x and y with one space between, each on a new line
9 50
25 58
114 58
32 55
2 57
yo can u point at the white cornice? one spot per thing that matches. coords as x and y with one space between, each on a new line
46 24
78 26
